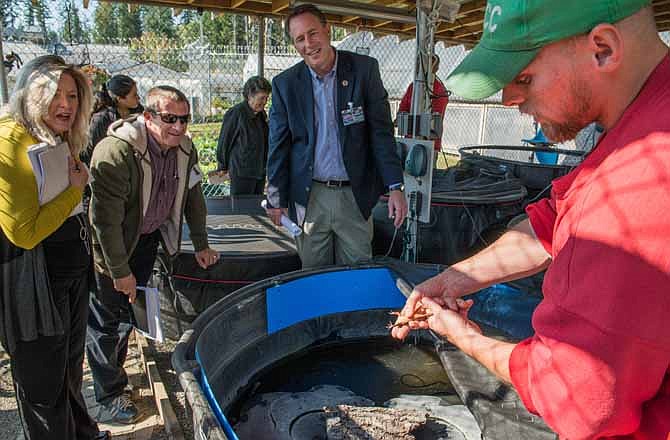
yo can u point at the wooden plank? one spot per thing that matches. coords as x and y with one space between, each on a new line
172 426
477 5
382 23
165 410
661 10
474 19
350 18
279 6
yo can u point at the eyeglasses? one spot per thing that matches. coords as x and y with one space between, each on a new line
170 118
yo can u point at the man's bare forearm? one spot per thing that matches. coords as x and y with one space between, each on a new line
491 353
517 254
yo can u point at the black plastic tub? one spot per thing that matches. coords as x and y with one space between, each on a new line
519 161
251 249
250 334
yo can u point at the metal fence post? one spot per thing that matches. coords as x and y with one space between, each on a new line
4 94
261 45
482 124
209 82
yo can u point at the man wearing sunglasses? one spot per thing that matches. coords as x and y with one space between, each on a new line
146 179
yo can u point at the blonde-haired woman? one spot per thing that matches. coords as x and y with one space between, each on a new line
51 103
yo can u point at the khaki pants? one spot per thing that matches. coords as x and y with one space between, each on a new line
334 231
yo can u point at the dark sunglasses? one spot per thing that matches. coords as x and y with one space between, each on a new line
170 118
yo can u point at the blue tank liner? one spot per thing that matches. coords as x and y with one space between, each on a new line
328 293
220 416
505 308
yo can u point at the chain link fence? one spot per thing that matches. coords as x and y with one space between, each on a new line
195 53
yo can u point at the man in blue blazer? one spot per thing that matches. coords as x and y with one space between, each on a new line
332 151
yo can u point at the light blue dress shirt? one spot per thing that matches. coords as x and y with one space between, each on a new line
328 160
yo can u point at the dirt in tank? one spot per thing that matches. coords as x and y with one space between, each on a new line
288 400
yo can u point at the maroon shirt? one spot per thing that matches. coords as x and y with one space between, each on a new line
164 183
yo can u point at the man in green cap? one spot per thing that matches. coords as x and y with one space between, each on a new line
597 366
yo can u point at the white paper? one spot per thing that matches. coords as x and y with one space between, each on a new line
50 166
286 222
153 308
215 179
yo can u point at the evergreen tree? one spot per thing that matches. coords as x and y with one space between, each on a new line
188 16
129 20
217 29
42 15
158 49
240 24
105 23
28 13
189 26
339 33
158 21
274 33
8 13
73 29
36 13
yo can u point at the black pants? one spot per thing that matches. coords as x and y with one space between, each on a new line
110 323
241 186
48 371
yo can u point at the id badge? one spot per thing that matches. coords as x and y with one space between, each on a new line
353 115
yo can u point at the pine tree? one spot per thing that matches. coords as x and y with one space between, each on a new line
239 21
129 21
275 34
73 28
8 13
218 29
158 21
188 16
28 14
105 23
36 13
42 15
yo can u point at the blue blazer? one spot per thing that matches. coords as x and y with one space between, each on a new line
368 147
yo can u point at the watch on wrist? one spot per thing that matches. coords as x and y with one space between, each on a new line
397 187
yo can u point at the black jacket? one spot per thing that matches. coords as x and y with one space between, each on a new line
368 147
243 142
100 122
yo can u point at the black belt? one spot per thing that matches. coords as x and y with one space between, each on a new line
334 183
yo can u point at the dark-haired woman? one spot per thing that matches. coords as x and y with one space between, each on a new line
118 99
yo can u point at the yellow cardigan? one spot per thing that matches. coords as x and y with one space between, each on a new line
22 219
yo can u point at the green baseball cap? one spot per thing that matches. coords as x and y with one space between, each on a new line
516 30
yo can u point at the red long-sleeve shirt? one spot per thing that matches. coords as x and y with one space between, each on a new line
598 365
438 104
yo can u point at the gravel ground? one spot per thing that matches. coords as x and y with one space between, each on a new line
161 354
10 425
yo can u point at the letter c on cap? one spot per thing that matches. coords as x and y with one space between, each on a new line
492 12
